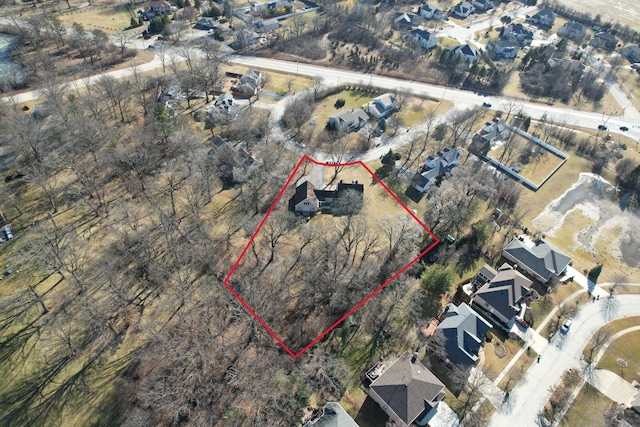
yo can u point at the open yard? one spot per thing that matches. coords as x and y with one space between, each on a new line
493 363
516 372
110 19
613 328
588 409
625 348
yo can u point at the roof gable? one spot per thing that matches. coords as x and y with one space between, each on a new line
542 258
464 330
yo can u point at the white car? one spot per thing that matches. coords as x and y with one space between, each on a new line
565 328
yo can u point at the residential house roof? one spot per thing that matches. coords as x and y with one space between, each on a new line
464 330
306 190
542 258
402 18
422 33
408 388
436 166
350 117
463 8
333 415
465 50
503 292
493 130
428 8
608 37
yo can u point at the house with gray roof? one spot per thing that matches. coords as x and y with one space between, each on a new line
462 10
632 53
381 106
435 167
500 297
543 261
467 52
483 5
604 40
544 18
573 31
504 49
428 11
464 331
517 32
426 39
403 20
309 200
332 415
349 120
407 391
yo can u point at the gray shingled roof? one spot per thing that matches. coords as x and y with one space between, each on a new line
504 291
464 330
408 388
333 415
542 258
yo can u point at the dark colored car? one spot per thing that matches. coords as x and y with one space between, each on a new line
624 128
522 322
602 127
486 105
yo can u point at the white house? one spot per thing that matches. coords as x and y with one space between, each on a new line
430 12
504 49
519 33
349 121
483 5
425 38
467 52
463 10
381 106
632 53
544 18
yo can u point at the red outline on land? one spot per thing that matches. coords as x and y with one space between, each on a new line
361 303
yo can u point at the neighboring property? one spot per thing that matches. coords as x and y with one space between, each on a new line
632 53
349 120
430 12
405 20
332 415
518 33
573 31
495 130
267 25
572 65
208 23
157 8
544 18
462 10
504 49
234 161
249 84
435 167
604 41
426 39
467 52
483 5
308 200
499 297
406 391
543 261
464 332
381 106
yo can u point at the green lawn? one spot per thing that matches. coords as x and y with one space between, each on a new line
326 107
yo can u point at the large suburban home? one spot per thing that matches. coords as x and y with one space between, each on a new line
498 294
492 131
332 415
267 26
430 12
249 84
405 20
604 40
504 49
426 39
573 31
434 168
406 391
235 162
541 260
518 33
467 52
349 120
464 331
156 8
381 106
632 53
462 10
483 5
308 200
544 18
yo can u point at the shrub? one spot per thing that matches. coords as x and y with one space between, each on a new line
339 103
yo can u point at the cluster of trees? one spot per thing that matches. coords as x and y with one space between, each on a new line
474 76
300 278
628 178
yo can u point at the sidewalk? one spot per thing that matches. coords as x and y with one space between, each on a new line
613 386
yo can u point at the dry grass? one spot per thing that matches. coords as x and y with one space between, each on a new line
587 410
110 19
516 372
493 365
613 328
326 108
626 347
541 309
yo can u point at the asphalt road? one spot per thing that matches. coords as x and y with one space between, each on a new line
563 352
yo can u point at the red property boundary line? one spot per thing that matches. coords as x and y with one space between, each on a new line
361 303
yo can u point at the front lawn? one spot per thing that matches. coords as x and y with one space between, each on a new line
625 348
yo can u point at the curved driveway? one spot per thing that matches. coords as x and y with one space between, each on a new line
563 352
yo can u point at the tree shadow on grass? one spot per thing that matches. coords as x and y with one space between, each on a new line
371 415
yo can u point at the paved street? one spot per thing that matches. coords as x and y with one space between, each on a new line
563 352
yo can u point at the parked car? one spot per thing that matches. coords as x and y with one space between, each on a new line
522 322
566 326
635 66
602 127
486 105
624 128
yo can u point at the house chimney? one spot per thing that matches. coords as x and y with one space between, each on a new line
415 357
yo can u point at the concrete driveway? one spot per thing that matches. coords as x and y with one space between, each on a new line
613 386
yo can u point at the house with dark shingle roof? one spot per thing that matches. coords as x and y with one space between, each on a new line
426 39
467 52
349 120
435 167
407 391
517 32
462 10
544 18
381 106
500 297
540 259
604 40
464 330
333 415
308 200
